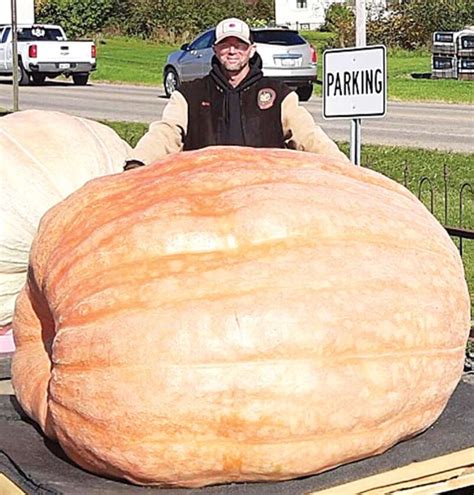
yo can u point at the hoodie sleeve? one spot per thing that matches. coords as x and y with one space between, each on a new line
302 132
166 135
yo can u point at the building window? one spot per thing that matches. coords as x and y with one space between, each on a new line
301 4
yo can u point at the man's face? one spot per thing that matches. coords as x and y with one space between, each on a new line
233 53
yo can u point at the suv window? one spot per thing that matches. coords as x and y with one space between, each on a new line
278 37
38 33
204 41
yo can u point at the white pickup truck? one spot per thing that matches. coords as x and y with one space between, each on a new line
44 51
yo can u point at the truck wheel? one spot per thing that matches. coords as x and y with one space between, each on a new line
23 77
38 78
305 92
171 80
80 79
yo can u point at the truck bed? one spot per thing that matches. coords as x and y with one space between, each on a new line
437 461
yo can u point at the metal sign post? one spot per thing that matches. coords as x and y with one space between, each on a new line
356 136
14 56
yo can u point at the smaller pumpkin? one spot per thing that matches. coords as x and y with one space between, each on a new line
44 156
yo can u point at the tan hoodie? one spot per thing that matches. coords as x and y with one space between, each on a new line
166 136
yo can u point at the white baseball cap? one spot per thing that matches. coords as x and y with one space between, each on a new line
233 27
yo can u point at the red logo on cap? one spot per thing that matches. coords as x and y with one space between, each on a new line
232 25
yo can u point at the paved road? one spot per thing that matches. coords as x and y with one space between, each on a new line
435 126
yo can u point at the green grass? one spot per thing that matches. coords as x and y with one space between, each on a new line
126 60
408 75
391 161
319 39
402 65
129 131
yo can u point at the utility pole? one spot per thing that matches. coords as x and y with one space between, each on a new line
360 42
361 15
14 56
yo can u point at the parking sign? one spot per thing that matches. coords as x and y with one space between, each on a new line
355 83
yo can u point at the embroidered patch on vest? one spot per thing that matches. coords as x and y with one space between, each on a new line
266 98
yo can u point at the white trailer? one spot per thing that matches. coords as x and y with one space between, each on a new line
25 12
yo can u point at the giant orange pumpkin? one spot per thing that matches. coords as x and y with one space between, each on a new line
238 314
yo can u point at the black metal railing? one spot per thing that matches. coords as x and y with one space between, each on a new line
426 187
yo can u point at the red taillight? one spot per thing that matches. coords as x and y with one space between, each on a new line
93 51
33 51
314 55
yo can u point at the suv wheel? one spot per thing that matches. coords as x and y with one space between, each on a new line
305 92
171 81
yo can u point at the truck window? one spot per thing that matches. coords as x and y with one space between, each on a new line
39 33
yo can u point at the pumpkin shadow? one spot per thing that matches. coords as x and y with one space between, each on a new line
22 416
57 451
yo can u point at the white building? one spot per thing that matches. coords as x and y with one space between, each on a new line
309 14
25 12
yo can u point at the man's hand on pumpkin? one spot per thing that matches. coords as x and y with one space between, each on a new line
131 164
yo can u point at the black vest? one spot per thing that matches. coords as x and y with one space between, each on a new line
208 114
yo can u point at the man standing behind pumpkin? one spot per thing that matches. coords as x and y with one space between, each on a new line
233 105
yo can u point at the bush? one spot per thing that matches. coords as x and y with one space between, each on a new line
166 20
77 18
340 19
410 24
407 24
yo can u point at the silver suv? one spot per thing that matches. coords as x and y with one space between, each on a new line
285 55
